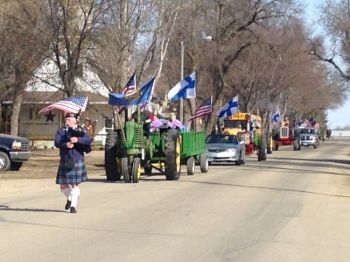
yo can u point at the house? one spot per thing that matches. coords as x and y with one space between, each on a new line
41 128
42 90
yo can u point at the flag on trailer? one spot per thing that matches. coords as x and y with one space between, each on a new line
74 104
229 108
130 87
204 109
186 88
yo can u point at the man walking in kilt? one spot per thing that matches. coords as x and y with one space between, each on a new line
71 171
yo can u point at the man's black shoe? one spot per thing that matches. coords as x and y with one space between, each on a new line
67 206
73 210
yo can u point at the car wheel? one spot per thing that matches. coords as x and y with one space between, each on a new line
15 166
5 162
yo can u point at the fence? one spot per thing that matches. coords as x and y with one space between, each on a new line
340 133
43 142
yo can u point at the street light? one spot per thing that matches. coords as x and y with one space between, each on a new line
181 109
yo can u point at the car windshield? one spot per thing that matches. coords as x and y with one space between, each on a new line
307 131
222 139
235 124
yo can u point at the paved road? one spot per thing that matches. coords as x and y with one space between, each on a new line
293 207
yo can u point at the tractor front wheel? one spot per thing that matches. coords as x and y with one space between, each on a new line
125 170
136 170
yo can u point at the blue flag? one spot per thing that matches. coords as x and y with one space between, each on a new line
186 88
146 93
229 108
117 99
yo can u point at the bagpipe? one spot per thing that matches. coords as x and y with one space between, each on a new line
79 132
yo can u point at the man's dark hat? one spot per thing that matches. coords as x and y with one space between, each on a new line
71 115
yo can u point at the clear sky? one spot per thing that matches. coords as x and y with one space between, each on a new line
339 117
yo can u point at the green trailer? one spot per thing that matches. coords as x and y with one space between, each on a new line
167 149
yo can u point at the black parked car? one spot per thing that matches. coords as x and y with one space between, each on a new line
14 150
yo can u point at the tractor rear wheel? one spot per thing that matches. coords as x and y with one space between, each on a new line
112 171
125 170
172 154
136 170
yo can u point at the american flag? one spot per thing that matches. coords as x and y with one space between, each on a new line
130 87
204 109
74 104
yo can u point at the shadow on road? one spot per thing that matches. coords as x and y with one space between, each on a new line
7 208
265 188
102 180
337 161
304 170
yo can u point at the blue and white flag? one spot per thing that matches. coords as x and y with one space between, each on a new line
186 88
276 117
229 108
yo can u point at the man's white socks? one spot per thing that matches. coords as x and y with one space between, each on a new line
74 196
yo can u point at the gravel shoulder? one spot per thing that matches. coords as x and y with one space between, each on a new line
44 164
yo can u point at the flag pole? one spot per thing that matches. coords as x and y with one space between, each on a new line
181 109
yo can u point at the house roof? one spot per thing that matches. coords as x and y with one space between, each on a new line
45 97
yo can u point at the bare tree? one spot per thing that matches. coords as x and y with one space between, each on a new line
230 26
20 35
71 26
115 43
336 21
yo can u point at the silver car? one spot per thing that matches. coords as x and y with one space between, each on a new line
225 148
309 137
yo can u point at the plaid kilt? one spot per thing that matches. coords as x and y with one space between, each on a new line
74 176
